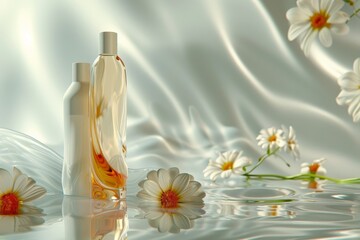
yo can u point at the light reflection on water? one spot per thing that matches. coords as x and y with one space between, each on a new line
234 208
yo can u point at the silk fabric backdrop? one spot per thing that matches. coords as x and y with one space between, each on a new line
203 76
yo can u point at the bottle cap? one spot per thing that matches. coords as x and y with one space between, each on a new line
81 72
108 43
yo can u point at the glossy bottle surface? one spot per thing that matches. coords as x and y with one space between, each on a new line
108 114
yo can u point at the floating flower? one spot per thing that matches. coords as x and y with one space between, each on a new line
227 163
271 138
291 145
312 18
169 189
15 190
350 91
314 168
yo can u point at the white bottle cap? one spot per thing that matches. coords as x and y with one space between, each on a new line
81 72
108 43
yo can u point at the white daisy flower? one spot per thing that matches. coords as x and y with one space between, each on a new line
316 18
291 145
168 189
350 91
271 138
314 168
15 190
227 163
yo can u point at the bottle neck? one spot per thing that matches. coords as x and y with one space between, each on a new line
107 54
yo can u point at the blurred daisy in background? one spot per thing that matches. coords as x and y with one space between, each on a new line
314 168
316 18
350 91
271 138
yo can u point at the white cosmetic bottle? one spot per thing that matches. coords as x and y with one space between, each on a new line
76 175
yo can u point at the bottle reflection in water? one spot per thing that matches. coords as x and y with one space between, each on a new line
108 113
94 219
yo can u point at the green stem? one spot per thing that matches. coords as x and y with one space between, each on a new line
355 12
351 4
307 176
262 159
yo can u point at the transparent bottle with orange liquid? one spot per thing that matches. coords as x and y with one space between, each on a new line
108 115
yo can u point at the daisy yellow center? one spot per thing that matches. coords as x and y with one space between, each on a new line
319 20
227 166
272 138
169 199
313 168
9 204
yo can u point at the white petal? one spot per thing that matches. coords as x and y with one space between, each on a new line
154 222
296 15
174 229
307 41
16 172
336 6
190 190
349 81
305 165
356 67
319 161
33 193
325 37
165 223
164 179
242 162
20 183
304 170
346 97
181 182
226 174
173 172
321 171
141 183
316 5
181 221
209 170
223 157
144 195
213 176
306 5
356 116
354 108
152 188
6 181
152 175
338 18
325 5
8 224
238 170
340 29
153 215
